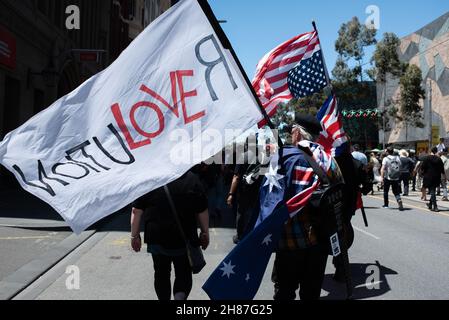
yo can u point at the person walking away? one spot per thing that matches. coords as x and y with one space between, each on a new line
406 169
356 154
301 258
244 191
444 157
412 157
390 173
376 170
433 173
441 146
163 236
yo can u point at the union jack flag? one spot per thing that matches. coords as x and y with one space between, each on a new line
333 136
294 69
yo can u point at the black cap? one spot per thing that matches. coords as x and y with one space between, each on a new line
308 122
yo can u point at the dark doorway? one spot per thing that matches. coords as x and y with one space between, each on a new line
11 115
39 103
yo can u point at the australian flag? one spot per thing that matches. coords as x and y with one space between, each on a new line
283 194
239 275
309 76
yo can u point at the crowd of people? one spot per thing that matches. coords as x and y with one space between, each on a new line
209 190
404 170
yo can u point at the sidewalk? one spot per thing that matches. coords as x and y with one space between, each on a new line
415 196
110 270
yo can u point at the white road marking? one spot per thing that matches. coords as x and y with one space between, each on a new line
367 233
371 284
25 238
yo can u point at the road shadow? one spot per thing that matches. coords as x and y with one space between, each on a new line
17 203
369 281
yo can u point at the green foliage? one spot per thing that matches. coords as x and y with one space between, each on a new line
284 117
386 58
353 37
411 94
342 73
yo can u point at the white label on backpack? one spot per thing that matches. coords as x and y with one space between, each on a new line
335 244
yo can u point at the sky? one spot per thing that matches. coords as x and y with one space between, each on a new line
254 27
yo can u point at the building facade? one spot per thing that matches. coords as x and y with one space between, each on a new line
428 48
41 59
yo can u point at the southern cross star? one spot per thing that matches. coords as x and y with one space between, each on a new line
273 178
267 239
227 269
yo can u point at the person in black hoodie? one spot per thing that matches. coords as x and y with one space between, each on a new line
433 172
163 236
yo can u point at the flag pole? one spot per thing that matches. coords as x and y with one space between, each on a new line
227 45
326 72
340 227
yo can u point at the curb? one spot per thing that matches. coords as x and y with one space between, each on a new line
27 274
441 204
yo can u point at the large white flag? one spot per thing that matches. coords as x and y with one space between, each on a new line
110 141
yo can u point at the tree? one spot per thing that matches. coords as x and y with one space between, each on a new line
386 60
284 117
353 37
342 73
411 93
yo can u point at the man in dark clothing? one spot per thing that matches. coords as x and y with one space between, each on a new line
353 172
301 256
245 196
433 173
413 158
163 236
406 169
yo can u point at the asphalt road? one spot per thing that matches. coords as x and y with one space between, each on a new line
28 228
409 250
18 246
402 255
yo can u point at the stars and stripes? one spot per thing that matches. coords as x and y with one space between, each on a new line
292 69
307 78
333 136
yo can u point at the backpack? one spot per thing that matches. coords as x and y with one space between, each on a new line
394 168
446 167
326 206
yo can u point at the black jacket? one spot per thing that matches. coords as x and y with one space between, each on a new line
161 228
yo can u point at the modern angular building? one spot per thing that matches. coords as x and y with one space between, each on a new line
427 48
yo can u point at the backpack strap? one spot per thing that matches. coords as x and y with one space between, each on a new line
316 168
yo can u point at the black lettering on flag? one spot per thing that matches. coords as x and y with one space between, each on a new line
85 154
131 158
42 174
211 64
86 171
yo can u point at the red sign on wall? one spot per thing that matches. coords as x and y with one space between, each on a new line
88 56
7 49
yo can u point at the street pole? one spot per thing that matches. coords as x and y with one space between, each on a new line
430 112
384 114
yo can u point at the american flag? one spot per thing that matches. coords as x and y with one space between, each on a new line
333 136
294 69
